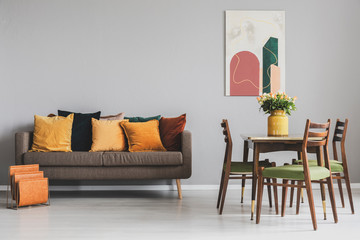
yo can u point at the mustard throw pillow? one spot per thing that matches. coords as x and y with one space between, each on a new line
107 136
143 136
52 134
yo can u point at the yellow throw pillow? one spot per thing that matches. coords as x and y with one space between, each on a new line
52 134
143 136
107 135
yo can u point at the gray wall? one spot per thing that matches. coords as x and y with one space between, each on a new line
167 57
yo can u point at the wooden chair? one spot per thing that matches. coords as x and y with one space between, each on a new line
304 174
339 169
238 170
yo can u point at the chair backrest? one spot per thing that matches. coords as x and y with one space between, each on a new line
316 135
339 136
228 141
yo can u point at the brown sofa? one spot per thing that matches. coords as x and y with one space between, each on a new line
107 165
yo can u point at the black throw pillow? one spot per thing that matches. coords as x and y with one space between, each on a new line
81 136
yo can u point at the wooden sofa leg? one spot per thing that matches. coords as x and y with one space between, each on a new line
178 184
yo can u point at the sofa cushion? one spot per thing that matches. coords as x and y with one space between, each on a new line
72 159
52 134
143 136
81 137
170 132
119 116
142 158
143 119
107 136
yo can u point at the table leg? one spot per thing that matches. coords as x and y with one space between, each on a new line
319 156
255 171
245 159
299 155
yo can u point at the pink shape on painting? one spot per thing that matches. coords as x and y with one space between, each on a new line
244 74
275 78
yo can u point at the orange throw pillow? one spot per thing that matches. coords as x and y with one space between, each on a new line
170 132
143 136
107 135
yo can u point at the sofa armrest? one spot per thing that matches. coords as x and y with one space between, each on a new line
23 142
186 149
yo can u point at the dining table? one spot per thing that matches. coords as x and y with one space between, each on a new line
266 144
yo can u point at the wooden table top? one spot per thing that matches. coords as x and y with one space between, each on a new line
263 137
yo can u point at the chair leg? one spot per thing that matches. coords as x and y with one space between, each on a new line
298 193
348 188
322 188
256 155
275 196
220 189
292 193
302 195
242 188
301 189
311 202
332 197
178 184
269 192
293 182
283 198
226 181
259 197
340 190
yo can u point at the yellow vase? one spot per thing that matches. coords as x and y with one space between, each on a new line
278 123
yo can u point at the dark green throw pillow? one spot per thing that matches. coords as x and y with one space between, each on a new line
142 119
81 136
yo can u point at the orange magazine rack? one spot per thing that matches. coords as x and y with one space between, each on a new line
27 186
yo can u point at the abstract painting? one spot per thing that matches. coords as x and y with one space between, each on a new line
255 52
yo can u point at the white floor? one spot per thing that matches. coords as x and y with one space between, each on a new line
160 215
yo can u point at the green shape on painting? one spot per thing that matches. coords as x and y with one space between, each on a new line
270 56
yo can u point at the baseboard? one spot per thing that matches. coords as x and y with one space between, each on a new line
156 187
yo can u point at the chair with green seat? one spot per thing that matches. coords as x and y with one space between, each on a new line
304 174
237 170
336 166
339 169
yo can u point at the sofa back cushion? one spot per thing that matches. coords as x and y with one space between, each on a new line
52 134
143 136
107 136
81 138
